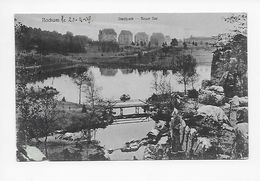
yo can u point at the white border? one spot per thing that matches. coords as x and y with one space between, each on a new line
155 170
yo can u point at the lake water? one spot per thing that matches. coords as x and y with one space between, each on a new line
114 83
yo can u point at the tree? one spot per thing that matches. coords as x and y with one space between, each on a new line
27 108
93 98
149 45
161 85
186 65
47 102
35 113
92 91
165 48
185 45
35 109
164 99
80 78
193 79
28 38
239 22
174 42
27 114
109 46
155 84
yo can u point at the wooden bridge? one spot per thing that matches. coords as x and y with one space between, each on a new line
140 114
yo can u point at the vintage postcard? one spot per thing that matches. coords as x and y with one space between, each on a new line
149 86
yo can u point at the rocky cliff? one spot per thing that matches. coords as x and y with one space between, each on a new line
229 66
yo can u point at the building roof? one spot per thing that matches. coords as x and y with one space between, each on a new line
126 32
157 36
109 31
141 34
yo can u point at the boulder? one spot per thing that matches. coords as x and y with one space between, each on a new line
243 101
205 142
213 112
239 101
206 83
73 136
161 126
215 88
226 108
212 95
156 152
190 144
209 121
234 115
150 152
235 101
201 145
163 140
242 130
187 140
29 153
153 133
241 140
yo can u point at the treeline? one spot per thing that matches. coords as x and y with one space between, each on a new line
106 46
28 38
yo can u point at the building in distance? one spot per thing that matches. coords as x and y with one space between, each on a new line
125 37
141 38
108 34
157 39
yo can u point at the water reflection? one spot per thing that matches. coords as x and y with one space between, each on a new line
108 71
127 71
115 136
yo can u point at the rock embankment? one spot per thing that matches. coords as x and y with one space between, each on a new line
216 128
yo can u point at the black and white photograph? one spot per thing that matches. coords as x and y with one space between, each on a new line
131 86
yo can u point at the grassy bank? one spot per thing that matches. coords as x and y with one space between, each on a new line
70 118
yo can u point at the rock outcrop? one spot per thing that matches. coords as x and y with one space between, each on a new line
212 95
29 153
213 112
159 151
241 146
238 106
229 66
239 101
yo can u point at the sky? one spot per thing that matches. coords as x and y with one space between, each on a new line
176 25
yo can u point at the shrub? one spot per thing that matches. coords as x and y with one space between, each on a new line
193 93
